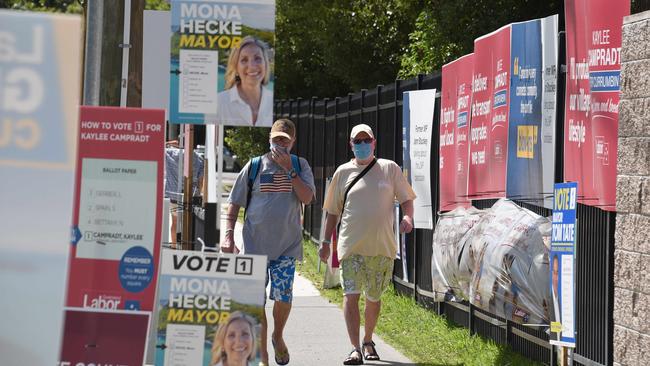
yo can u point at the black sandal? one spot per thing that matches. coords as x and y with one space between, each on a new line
351 360
372 355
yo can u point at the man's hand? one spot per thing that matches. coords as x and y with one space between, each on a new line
406 225
228 245
324 252
281 158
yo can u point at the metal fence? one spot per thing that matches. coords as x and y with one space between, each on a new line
323 127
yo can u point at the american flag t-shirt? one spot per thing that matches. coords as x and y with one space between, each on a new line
275 183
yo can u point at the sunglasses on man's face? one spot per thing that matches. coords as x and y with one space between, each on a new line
367 140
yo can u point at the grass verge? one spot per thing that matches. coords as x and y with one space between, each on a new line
421 335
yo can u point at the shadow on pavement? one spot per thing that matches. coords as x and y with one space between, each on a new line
395 363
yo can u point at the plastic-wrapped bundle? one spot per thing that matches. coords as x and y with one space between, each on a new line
469 257
512 278
450 282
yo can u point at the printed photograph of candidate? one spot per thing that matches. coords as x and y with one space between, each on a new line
555 312
247 99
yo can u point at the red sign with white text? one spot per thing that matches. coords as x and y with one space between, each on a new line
456 101
117 210
490 105
593 49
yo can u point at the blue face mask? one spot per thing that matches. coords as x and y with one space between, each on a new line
278 147
362 151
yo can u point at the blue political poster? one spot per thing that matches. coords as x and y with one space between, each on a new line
562 265
531 132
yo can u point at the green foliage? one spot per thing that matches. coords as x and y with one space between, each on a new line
421 56
328 49
247 142
157 5
52 6
446 29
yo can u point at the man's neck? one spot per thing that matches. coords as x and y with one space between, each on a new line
364 162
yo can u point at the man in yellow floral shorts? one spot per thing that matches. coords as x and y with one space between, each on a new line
362 194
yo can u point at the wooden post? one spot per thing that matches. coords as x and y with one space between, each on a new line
188 154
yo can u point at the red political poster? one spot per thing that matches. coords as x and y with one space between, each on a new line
593 49
489 126
117 209
104 338
456 100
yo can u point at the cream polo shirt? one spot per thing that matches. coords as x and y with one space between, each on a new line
233 111
368 217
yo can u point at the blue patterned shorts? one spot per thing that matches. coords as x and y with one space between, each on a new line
281 271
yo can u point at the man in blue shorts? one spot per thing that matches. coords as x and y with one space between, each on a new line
272 225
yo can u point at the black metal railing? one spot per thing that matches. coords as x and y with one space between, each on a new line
323 127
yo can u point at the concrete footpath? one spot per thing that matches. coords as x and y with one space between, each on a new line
316 333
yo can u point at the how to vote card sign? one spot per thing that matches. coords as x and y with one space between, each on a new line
593 50
531 140
40 73
562 265
420 106
118 201
456 100
201 296
490 105
222 62
116 233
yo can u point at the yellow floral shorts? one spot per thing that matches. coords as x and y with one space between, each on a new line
371 275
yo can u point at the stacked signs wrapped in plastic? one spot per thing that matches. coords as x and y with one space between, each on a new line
496 259
453 261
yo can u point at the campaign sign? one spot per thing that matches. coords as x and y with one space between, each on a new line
40 73
456 99
420 106
222 62
118 201
104 338
203 297
562 265
490 106
406 138
406 170
594 38
40 57
532 111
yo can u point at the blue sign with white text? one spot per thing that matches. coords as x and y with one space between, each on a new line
524 132
562 265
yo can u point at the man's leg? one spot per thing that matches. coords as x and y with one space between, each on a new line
173 208
281 312
282 272
371 316
352 318
378 272
352 279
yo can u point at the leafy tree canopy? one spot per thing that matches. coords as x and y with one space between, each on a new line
55 6
445 29
328 49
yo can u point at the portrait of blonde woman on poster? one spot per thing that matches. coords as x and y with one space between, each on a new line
555 282
247 99
235 342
